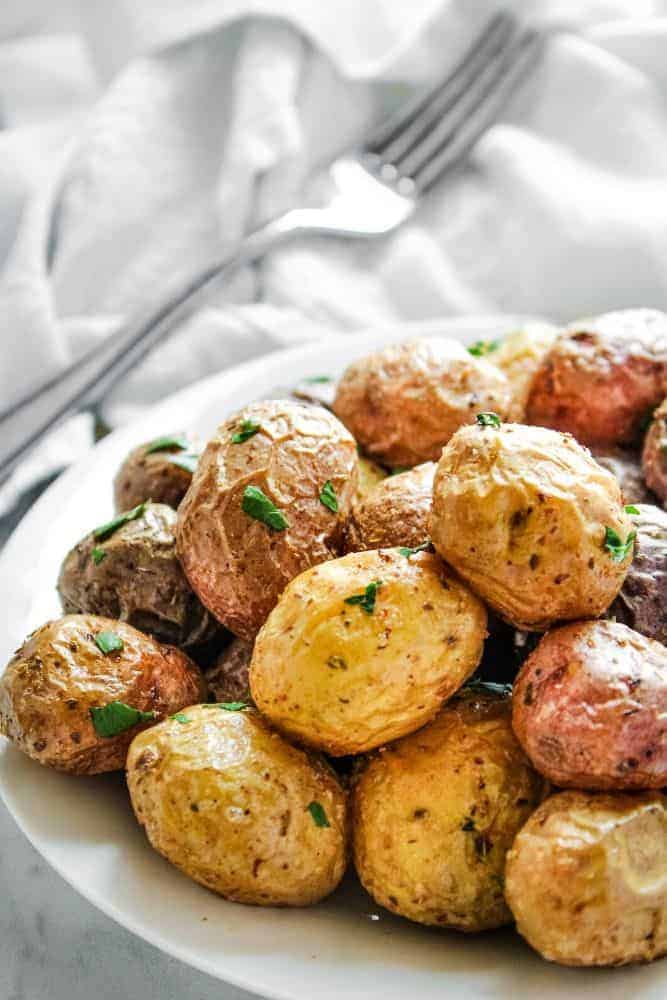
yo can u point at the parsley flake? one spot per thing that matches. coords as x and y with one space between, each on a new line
316 810
314 379
180 717
106 530
631 509
167 442
187 461
405 550
247 429
256 504
97 555
482 347
617 548
328 496
116 717
108 642
233 706
366 601
488 419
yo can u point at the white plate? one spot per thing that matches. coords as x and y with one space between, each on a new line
344 947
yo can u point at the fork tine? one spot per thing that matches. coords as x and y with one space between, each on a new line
455 80
453 148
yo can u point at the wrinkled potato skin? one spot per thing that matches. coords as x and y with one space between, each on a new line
520 513
139 581
344 681
225 799
586 878
654 454
59 674
396 512
152 477
642 601
626 466
519 356
403 403
370 474
228 677
414 798
237 565
602 376
588 708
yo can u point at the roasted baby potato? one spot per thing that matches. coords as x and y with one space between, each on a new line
586 878
75 692
159 470
642 601
531 522
269 499
132 573
519 355
435 813
228 677
602 376
654 454
625 464
589 708
370 474
229 802
404 403
364 649
396 512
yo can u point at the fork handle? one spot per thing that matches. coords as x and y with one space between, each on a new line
86 382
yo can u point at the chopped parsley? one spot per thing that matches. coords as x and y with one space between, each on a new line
116 717
488 419
316 810
617 548
232 706
482 347
106 530
247 429
405 550
187 461
256 504
97 555
631 509
314 379
180 717
108 642
166 443
328 496
366 601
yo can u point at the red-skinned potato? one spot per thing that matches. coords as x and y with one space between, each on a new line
159 470
395 512
642 600
654 454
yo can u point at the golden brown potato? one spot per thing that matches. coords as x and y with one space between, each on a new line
396 512
159 470
586 878
228 677
435 813
370 474
642 600
229 802
530 521
404 403
60 693
602 376
589 708
255 515
519 355
132 573
654 454
625 464
364 649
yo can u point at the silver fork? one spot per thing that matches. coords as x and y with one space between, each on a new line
374 189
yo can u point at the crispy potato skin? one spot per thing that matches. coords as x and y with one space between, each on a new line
237 565
625 464
586 878
345 681
588 708
642 601
225 799
520 513
139 581
602 376
404 403
396 512
59 674
152 477
654 453
519 356
435 813
228 677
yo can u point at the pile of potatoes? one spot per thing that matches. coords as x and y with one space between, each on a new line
318 584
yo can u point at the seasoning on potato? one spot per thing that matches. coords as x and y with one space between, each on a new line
589 708
586 878
128 569
364 649
159 470
404 402
74 693
396 512
228 677
519 355
602 376
435 813
531 522
263 509
642 601
654 454
224 798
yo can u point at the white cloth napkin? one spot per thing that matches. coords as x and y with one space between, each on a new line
212 127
